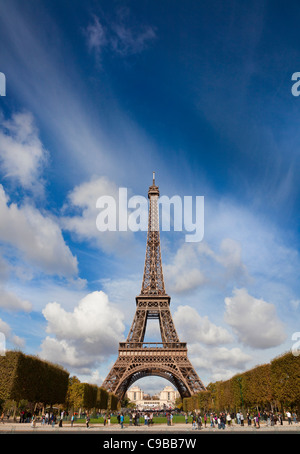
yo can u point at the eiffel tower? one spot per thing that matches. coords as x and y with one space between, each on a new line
167 359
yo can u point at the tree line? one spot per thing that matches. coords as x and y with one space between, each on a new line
272 386
44 384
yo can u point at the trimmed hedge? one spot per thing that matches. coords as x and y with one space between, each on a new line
28 377
285 379
87 396
275 383
113 402
82 395
102 399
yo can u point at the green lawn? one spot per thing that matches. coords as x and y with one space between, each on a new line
156 420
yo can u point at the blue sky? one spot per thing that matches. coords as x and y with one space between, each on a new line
100 94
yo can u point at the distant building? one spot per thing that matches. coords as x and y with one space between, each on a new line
165 399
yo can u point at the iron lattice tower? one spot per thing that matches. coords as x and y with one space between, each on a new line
167 359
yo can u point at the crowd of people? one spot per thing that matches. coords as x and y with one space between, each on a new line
223 419
136 418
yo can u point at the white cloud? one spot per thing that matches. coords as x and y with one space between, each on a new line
83 198
96 35
253 320
22 154
194 328
4 270
36 236
184 273
118 35
269 253
10 301
195 265
230 257
5 329
85 336
92 377
217 362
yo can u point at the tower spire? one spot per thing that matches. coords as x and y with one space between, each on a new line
153 281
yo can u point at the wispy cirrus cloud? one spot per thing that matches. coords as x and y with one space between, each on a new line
119 35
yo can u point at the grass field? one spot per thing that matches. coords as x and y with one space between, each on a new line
156 420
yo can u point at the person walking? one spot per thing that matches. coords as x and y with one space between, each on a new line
199 421
168 418
228 419
33 420
257 424
242 418
87 421
72 419
248 416
151 419
2 417
121 420
289 417
194 421
223 420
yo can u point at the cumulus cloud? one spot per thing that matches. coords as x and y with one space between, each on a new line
184 273
253 320
22 154
83 200
195 265
8 335
218 357
230 256
10 301
81 338
217 363
38 237
194 328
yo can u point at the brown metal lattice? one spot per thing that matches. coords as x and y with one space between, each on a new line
168 358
